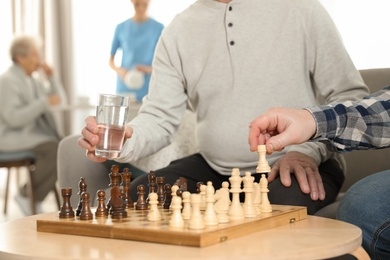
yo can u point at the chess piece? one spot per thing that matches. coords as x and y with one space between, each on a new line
66 208
198 184
210 217
265 204
174 194
152 184
167 196
176 217
86 213
222 205
117 203
249 209
182 183
126 180
202 193
160 190
141 202
82 188
186 212
257 197
153 214
101 210
196 220
236 212
262 166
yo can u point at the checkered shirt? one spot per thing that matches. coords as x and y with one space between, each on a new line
355 125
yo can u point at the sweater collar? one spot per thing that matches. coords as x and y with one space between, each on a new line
215 4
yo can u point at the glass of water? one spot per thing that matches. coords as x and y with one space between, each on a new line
111 117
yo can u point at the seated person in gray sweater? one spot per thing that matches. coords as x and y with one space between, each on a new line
229 61
26 123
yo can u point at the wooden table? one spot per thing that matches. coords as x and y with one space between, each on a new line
313 238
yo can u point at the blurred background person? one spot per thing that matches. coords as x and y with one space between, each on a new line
137 38
26 123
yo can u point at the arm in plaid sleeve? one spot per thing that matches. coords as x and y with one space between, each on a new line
355 125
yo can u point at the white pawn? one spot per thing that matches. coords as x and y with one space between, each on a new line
249 208
210 217
202 193
222 205
176 218
262 166
154 213
196 220
265 204
186 212
174 189
236 212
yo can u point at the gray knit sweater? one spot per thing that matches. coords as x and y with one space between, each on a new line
231 62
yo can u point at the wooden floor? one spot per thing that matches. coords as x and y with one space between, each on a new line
14 211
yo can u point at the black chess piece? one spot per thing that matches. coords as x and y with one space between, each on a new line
116 202
66 208
82 188
168 195
126 180
160 190
101 210
86 213
152 184
141 202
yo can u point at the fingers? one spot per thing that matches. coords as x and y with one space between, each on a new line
274 172
91 156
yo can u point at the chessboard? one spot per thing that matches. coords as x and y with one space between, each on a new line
171 214
137 227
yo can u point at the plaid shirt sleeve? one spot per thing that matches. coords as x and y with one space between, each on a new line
355 125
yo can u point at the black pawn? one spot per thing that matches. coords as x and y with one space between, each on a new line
141 202
86 212
101 210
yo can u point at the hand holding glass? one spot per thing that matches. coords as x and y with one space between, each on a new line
111 117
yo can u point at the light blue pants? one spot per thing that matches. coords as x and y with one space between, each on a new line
367 205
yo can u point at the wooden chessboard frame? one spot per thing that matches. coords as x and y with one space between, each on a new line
137 227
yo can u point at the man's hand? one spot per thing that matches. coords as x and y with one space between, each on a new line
280 127
90 138
47 69
305 170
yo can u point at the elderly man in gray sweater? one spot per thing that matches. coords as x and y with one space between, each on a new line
230 61
26 123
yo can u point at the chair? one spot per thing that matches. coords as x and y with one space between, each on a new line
18 160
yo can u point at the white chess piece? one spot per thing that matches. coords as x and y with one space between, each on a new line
236 212
257 197
210 217
186 212
176 217
249 208
154 213
265 204
262 166
222 205
196 220
174 189
202 193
